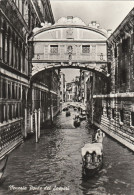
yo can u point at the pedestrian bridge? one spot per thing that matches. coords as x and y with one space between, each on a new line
69 43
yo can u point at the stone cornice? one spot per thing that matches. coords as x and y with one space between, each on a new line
116 95
12 26
125 27
19 14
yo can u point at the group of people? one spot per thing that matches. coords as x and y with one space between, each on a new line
77 118
95 156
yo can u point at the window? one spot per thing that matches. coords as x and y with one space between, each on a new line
125 45
123 76
132 118
108 111
54 49
9 90
121 115
85 48
4 89
13 91
115 52
10 111
113 113
1 115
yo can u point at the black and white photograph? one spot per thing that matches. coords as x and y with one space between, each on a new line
66 97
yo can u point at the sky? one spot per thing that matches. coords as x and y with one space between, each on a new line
108 13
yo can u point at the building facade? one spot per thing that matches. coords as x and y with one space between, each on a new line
62 87
115 104
17 20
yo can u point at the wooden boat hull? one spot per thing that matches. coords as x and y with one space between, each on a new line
68 114
82 117
76 123
65 109
92 170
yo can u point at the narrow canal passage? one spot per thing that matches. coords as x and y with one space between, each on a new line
53 166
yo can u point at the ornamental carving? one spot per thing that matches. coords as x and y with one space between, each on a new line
69 33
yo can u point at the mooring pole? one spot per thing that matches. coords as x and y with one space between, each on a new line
36 126
25 125
39 123
31 122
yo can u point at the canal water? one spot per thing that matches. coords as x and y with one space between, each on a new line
54 166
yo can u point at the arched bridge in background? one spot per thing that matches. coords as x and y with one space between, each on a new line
70 43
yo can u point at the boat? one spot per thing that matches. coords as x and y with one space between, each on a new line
83 115
76 122
92 158
65 109
68 113
3 164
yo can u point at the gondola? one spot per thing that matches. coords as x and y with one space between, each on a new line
68 113
3 164
92 159
76 122
82 117
65 109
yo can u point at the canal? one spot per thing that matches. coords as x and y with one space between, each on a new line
53 166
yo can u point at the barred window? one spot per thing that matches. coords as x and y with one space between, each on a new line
125 45
54 49
85 48
113 113
115 52
121 115
132 118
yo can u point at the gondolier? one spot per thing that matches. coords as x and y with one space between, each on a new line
99 136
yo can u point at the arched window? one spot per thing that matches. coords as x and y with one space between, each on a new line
23 61
20 56
3 40
16 54
8 45
13 51
26 11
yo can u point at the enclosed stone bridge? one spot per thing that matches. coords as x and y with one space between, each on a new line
70 43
